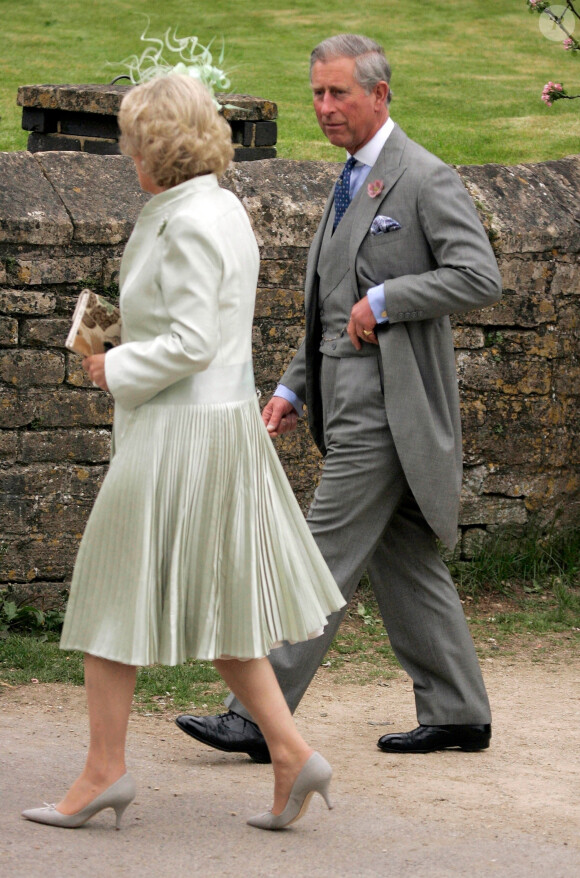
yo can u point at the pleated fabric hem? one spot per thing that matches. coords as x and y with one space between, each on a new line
196 547
200 658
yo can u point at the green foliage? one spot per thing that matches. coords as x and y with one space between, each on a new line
556 612
366 614
533 563
493 338
567 609
467 74
12 616
28 619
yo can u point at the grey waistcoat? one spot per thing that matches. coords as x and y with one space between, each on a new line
335 292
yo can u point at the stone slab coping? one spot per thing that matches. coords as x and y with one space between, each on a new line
58 197
106 99
31 211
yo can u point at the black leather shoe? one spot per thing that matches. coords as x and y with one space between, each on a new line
427 739
229 732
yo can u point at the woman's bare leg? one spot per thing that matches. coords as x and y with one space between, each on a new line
109 687
254 684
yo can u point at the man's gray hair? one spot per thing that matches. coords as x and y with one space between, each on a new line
371 65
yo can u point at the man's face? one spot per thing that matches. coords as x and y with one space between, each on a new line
348 116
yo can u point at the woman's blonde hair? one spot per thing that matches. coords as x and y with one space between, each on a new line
173 124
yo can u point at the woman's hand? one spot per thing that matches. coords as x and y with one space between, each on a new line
95 368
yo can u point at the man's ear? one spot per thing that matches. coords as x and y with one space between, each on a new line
381 91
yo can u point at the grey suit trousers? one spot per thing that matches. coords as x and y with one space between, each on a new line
364 517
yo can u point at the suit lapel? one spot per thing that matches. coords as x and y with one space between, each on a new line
310 284
387 168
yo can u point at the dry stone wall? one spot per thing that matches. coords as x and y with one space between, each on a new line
83 118
64 219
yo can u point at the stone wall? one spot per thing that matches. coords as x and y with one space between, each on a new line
64 218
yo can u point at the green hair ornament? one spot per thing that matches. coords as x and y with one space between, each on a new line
187 56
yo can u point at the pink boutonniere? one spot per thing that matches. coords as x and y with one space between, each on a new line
375 188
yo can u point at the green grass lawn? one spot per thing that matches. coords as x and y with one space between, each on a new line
533 627
467 74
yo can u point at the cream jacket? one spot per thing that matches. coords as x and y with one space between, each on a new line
188 284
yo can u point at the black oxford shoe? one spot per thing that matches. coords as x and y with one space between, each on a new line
427 739
229 732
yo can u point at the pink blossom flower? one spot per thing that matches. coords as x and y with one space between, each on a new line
375 188
551 92
568 43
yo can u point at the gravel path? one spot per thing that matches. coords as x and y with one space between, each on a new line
510 811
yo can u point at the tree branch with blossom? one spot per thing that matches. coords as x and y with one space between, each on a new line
544 7
555 91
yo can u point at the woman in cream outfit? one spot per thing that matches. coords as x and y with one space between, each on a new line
196 547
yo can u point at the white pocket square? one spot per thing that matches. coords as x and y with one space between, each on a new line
382 224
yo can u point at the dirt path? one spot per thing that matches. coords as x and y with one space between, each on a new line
510 811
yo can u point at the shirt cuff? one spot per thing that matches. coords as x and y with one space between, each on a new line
290 397
376 297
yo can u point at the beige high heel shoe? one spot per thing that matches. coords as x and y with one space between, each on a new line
118 796
314 778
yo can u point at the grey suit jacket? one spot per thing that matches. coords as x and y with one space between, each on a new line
438 263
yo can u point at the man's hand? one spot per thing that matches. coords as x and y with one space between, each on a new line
95 368
279 416
361 324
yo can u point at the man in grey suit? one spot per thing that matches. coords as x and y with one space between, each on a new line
399 248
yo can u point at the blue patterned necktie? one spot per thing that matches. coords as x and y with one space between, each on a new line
342 191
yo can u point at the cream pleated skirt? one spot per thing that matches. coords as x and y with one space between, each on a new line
196 546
